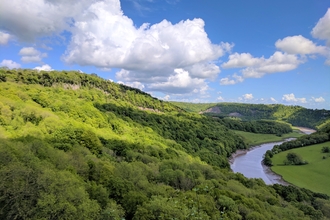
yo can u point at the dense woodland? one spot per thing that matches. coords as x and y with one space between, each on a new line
295 115
259 126
75 146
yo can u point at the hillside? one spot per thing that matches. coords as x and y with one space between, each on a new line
75 146
295 115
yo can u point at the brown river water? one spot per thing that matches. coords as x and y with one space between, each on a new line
249 162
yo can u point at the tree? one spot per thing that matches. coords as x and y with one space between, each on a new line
294 159
325 149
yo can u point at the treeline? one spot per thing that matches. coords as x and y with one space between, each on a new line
260 126
295 115
76 151
75 80
315 138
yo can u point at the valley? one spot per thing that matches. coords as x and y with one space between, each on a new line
76 146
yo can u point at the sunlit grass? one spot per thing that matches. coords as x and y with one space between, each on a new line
253 139
314 176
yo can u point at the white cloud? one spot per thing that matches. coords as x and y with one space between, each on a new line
180 82
272 99
291 98
45 67
148 54
30 55
29 20
228 81
300 45
248 96
237 60
220 98
320 99
258 67
204 70
322 28
111 40
4 38
167 97
327 62
10 64
102 36
137 85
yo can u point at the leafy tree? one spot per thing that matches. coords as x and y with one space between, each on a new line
294 159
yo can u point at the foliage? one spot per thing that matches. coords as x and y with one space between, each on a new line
75 146
260 126
306 140
294 159
295 115
326 149
314 175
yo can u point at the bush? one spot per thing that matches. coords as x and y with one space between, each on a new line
294 159
325 149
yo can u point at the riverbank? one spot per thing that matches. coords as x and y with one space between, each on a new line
254 161
253 139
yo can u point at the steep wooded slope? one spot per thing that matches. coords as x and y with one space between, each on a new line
75 146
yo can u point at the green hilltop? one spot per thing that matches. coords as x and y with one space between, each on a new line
76 146
295 115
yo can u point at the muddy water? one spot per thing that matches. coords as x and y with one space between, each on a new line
249 163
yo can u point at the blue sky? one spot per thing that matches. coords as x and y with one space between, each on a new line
252 51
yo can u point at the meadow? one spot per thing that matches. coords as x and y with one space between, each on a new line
314 176
253 139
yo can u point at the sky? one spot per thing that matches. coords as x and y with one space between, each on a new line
256 51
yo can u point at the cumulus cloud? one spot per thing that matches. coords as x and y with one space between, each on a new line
146 54
291 98
258 67
237 60
320 99
112 40
228 81
300 45
102 36
29 20
220 98
322 28
10 64
4 38
248 96
180 82
30 54
45 67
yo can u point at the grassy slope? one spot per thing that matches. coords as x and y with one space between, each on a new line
253 139
314 176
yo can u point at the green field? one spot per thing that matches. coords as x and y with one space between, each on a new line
253 139
314 176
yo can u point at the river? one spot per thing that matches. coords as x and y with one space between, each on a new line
249 162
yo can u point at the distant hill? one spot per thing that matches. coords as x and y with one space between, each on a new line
76 146
295 115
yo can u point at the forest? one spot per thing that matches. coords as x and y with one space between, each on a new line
295 115
76 146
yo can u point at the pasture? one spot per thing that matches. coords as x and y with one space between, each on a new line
314 176
253 139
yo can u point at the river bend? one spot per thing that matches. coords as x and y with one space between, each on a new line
249 162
